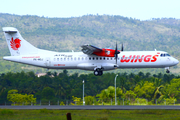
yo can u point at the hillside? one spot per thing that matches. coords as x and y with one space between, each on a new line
66 34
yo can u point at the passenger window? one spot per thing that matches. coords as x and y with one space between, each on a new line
75 58
67 58
96 58
104 58
82 58
89 58
54 59
64 59
71 59
100 58
107 58
78 58
93 58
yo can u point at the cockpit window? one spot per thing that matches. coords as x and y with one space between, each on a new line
164 55
167 55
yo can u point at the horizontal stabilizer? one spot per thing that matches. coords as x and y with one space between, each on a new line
9 30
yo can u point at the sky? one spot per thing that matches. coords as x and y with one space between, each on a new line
138 9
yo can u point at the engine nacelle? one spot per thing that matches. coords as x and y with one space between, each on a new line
106 53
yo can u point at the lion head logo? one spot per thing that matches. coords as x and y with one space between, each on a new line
107 52
15 44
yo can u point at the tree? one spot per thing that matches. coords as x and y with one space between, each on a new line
14 97
173 89
89 100
122 83
109 93
157 83
77 100
146 91
104 95
130 95
48 93
147 74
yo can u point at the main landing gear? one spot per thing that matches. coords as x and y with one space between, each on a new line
98 72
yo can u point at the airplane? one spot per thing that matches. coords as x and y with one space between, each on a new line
91 58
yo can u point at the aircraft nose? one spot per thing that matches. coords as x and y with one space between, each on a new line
175 61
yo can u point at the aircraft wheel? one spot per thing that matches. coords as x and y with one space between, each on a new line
100 73
167 71
96 73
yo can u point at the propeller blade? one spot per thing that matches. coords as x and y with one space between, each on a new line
116 52
122 47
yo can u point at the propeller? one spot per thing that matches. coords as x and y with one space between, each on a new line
116 53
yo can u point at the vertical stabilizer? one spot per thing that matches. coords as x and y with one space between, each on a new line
16 44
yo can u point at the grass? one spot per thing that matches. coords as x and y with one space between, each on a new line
44 114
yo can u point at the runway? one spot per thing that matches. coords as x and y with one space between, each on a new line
94 107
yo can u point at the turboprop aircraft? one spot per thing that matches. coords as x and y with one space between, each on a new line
91 58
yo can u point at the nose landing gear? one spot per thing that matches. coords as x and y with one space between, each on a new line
167 69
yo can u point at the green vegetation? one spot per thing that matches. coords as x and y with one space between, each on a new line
66 34
13 96
26 88
45 114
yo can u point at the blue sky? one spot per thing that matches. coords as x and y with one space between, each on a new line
139 9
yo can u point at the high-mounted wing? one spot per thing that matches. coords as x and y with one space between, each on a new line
92 50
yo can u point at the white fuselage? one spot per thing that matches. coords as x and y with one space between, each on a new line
79 60
89 59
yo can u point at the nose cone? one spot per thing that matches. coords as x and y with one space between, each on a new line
175 61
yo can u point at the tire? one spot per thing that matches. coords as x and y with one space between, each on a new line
167 71
96 73
100 73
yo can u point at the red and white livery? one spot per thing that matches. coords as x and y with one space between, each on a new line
91 58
